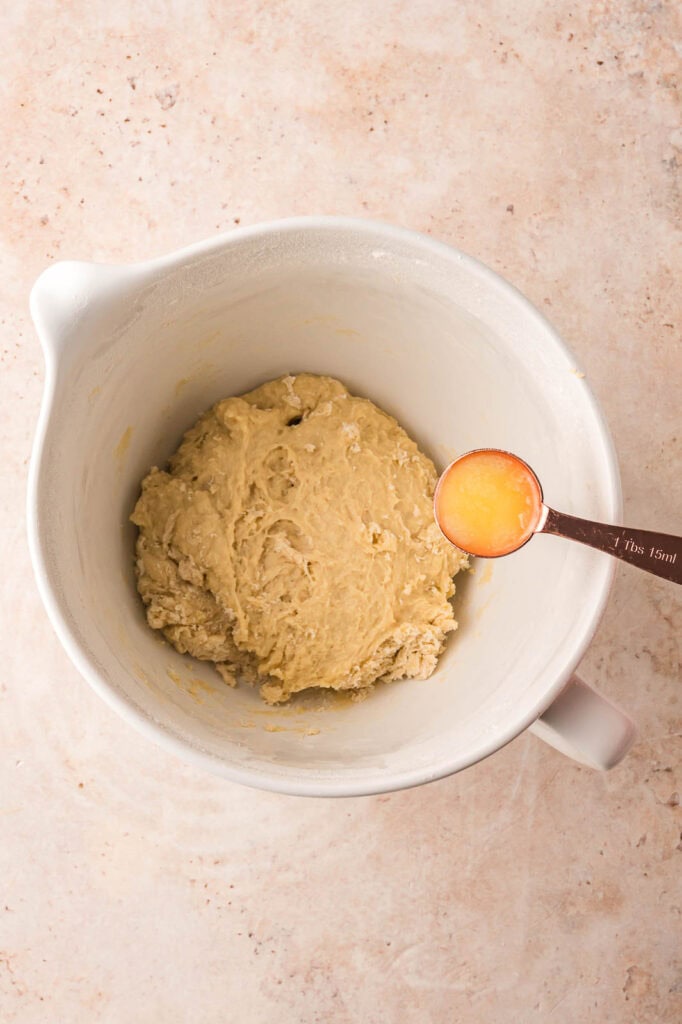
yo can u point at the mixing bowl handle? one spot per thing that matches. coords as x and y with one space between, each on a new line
584 725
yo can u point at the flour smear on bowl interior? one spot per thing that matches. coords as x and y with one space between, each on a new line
291 541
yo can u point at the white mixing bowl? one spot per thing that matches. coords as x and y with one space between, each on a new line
134 354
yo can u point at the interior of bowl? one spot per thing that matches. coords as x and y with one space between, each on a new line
457 356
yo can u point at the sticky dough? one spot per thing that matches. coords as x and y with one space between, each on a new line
292 542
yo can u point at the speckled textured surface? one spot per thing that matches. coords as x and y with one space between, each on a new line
544 139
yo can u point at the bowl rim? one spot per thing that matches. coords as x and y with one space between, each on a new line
286 782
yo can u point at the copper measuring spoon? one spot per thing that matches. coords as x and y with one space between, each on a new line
489 503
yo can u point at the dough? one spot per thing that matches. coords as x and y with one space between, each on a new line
292 542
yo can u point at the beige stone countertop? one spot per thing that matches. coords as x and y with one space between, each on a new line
543 138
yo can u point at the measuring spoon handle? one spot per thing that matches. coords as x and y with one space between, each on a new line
659 553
